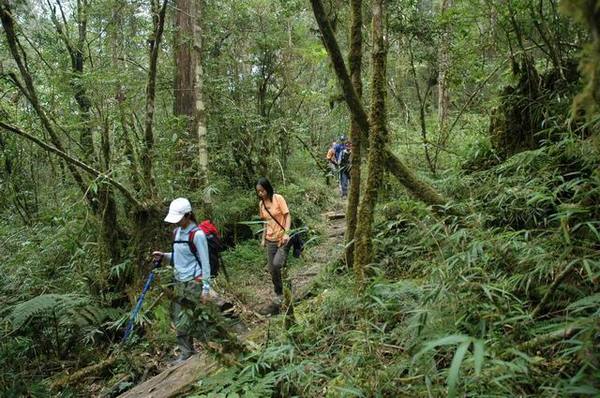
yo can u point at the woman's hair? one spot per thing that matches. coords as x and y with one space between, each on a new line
191 216
266 184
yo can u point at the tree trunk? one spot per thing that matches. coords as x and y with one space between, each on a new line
587 102
81 96
189 98
184 62
127 127
422 103
419 189
377 142
158 19
443 92
185 93
199 107
355 63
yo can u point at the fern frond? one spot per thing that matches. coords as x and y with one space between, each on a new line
89 315
42 306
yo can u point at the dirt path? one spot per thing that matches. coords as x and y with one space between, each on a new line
176 380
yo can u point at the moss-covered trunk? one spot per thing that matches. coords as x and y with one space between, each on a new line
149 233
355 63
588 101
377 142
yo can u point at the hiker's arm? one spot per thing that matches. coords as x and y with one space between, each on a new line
287 223
263 239
162 256
202 245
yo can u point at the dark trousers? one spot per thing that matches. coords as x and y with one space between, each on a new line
344 180
190 292
276 259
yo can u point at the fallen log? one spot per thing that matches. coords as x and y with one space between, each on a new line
92 370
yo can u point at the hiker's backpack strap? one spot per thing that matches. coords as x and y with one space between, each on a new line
194 250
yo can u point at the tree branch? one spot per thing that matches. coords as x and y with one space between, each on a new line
29 88
74 161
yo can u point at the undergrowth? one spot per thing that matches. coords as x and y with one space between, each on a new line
57 316
501 302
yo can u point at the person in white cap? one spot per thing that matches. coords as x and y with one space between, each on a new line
192 270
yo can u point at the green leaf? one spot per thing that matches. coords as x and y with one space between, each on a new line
455 368
349 391
478 355
448 340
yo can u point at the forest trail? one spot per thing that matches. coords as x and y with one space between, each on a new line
177 379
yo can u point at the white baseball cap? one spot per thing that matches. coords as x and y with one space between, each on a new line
177 209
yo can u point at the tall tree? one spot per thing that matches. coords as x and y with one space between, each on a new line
199 103
377 140
588 101
422 99
355 63
184 96
442 80
158 23
189 97
96 171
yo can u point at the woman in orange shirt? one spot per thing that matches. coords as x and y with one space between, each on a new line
274 211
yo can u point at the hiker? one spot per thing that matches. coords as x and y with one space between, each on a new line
344 165
192 270
331 160
274 211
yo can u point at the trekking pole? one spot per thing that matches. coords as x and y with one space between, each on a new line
138 306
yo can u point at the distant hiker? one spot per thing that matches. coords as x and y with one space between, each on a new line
274 210
331 160
339 147
192 270
343 153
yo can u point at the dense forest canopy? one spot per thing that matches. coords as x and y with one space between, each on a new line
468 264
